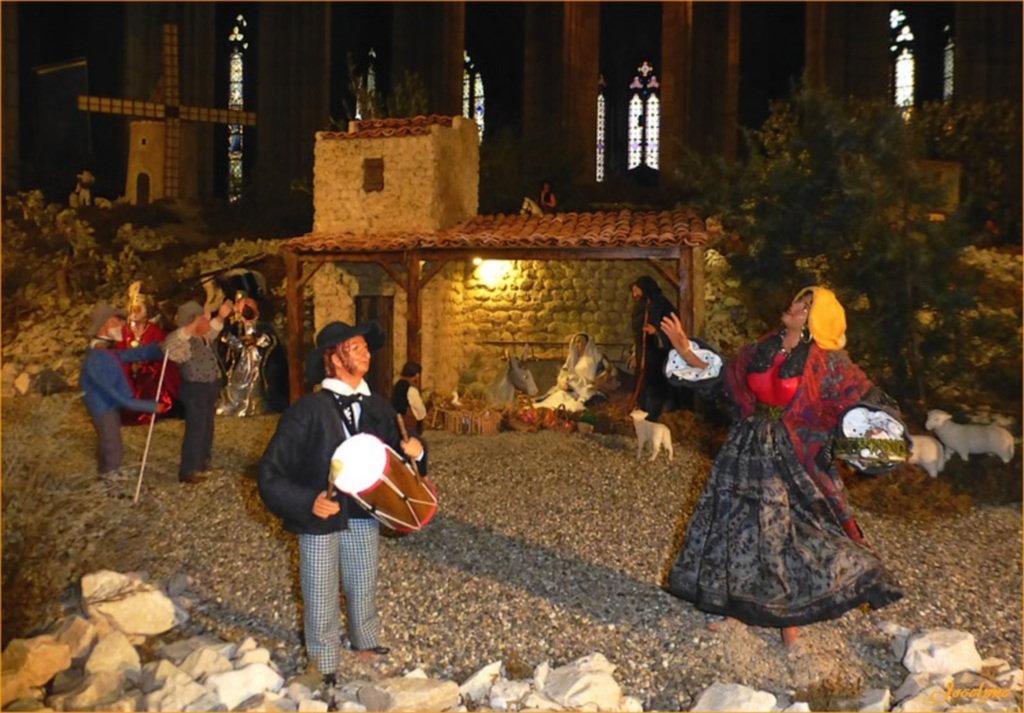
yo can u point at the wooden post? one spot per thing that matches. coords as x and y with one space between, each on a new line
686 289
293 323
412 295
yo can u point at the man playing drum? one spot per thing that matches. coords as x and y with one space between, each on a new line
335 534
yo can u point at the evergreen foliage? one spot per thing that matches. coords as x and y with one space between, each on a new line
836 193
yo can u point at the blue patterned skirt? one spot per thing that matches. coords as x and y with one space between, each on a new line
763 546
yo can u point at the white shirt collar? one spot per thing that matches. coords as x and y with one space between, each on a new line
340 387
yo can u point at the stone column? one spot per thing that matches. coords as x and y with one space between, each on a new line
292 92
429 39
847 48
578 120
714 99
676 63
542 71
9 146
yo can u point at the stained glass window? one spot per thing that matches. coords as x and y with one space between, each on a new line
236 97
600 129
644 118
948 58
903 64
472 93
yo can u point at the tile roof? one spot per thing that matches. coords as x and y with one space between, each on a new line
377 128
622 229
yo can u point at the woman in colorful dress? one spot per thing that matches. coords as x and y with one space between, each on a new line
772 541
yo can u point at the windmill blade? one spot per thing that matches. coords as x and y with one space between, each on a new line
125 107
218 116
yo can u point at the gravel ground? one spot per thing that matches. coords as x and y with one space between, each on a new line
546 547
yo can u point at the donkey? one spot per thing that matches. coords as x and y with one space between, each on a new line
515 377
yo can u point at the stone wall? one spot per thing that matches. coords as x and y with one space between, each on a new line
431 180
513 302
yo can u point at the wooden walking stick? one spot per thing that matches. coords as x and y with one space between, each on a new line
641 358
152 422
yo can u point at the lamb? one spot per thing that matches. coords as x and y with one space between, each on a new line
965 439
657 434
928 453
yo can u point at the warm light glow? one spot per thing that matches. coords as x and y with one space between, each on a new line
491 272
477 260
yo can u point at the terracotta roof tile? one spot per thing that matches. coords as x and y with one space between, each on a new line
561 230
389 128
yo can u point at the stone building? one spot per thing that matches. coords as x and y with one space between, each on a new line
396 238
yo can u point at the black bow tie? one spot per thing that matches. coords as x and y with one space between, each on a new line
348 399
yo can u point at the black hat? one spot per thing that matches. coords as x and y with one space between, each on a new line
335 333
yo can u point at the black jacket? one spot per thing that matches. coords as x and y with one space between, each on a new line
296 462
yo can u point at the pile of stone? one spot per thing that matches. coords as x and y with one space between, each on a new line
93 660
946 673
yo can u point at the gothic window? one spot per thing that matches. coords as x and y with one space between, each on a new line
367 86
901 50
236 101
948 54
600 129
472 93
644 118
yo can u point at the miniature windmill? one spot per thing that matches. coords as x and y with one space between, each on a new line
168 116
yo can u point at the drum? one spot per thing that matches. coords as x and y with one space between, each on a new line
375 476
871 439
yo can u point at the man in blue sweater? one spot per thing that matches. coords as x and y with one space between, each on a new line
106 389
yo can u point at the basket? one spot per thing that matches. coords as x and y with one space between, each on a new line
484 423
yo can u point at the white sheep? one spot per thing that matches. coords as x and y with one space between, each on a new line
928 453
965 439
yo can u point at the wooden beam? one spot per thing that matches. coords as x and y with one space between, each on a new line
672 278
429 273
413 351
301 282
293 325
395 275
669 252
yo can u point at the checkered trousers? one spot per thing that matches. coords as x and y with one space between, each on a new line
355 554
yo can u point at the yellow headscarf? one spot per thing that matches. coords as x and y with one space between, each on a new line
827 318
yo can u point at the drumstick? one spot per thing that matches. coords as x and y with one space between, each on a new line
405 437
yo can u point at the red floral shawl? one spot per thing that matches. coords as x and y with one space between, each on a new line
831 383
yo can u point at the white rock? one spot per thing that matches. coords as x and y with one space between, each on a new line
233 687
476 687
1014 680
176 695
311 705
203 662
417 673
248 644
206 702
177 651
29 663
78 633
21 383
409 694
126 704
875 699
914 683
733 697
132 605
540 675
631 704
297 691
941 651
539 702
93 691
994 667
930 699
507 695
352 707
114 653
798 707
161 673
268 702
257 655
585 681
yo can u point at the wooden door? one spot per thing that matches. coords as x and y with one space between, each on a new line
379 308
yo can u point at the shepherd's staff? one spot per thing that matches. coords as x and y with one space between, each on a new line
152 422
641 358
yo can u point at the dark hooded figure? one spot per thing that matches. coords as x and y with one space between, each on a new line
651 347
